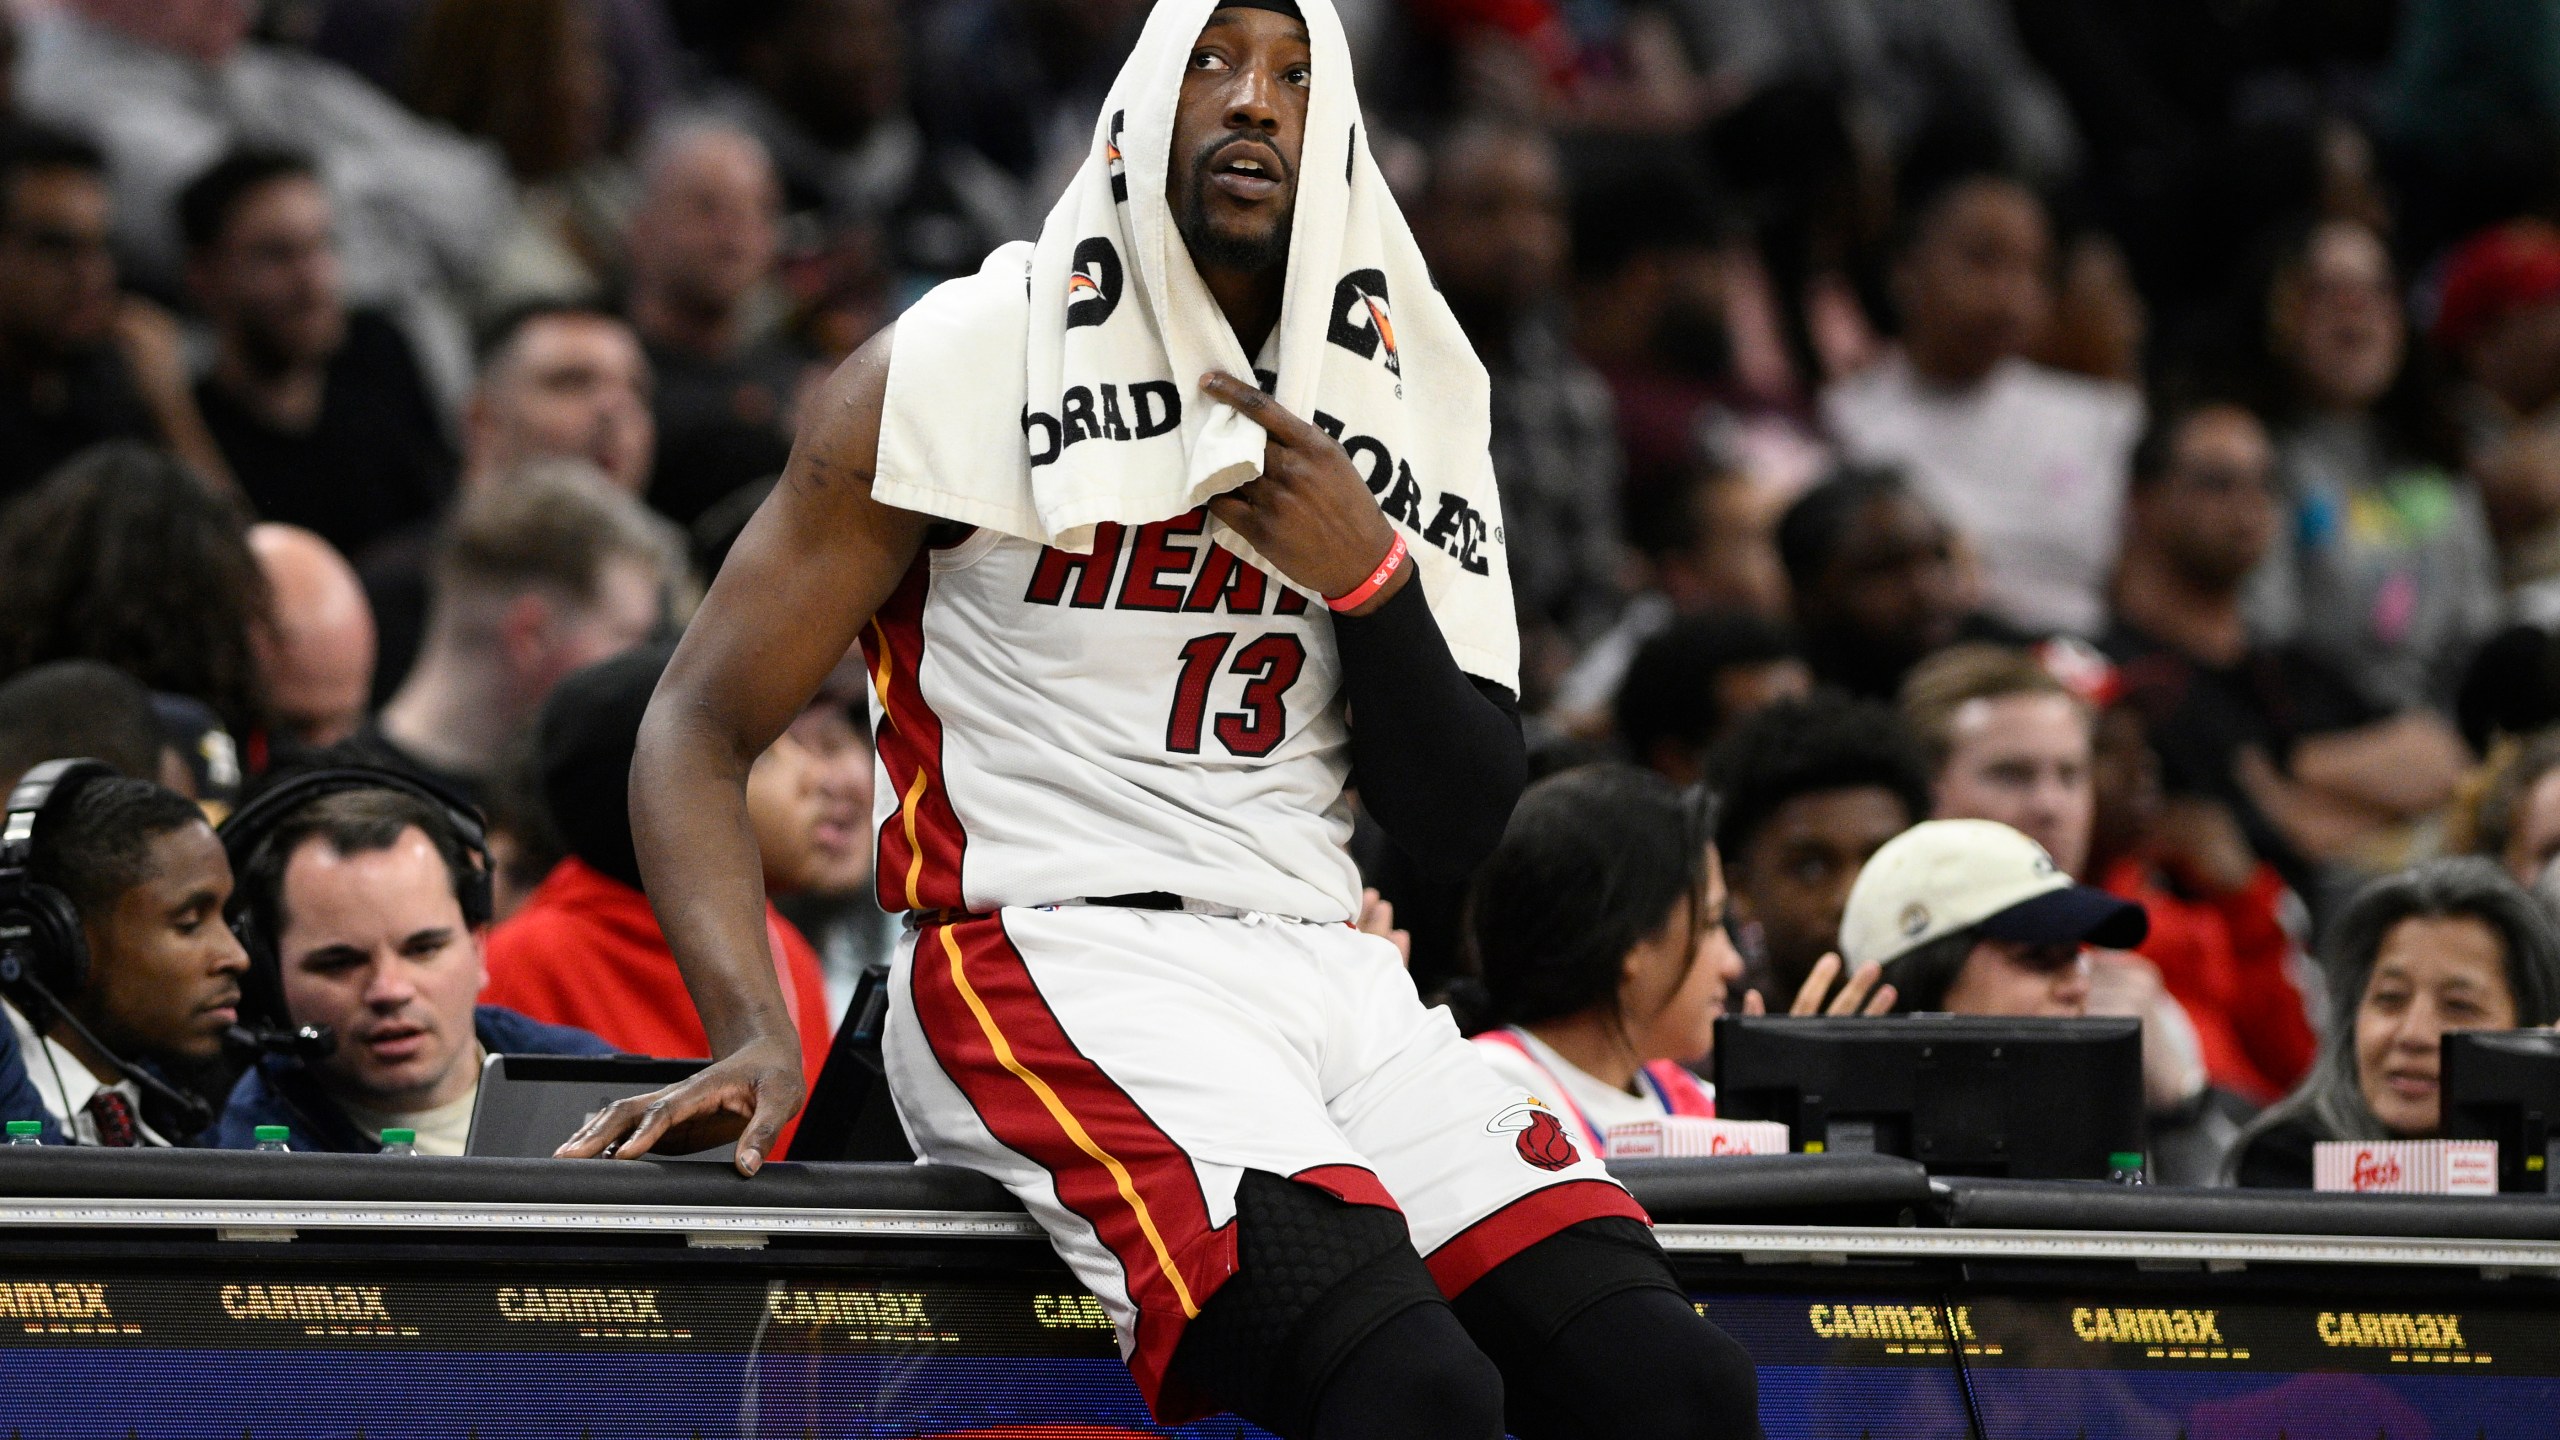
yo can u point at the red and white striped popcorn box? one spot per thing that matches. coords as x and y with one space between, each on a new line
1692 1135
2406 1167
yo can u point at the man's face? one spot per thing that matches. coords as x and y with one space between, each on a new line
315 649
318 686
1796 872
1732 559
57 276
1231 176
2214 512
570 634
273 277
2124 780
2022 760
375 948
1976 285
710 228
1894 585
1494 230
164 970
570 387
809 801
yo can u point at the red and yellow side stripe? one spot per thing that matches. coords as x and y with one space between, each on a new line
920 849
1038 1095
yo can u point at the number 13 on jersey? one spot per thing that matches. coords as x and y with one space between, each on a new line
1270 664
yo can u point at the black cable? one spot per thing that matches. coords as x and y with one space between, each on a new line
1964 1372
193 1112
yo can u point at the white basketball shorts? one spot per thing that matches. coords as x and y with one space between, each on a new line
1119 1069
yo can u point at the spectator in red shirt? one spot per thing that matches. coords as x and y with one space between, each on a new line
2217 931
586 950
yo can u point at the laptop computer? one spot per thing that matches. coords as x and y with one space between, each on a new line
529 1104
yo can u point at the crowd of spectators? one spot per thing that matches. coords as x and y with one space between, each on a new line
2135 427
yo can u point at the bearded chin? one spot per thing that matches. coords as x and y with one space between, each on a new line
1212 250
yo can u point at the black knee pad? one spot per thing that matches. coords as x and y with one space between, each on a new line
1315 1277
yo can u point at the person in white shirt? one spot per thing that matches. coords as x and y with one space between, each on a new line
156 979
1598 924
2027 462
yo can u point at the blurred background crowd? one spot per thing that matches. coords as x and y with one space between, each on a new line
2138 423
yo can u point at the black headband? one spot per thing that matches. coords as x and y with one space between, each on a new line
1276 7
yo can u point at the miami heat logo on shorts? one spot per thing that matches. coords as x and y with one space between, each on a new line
1537 1132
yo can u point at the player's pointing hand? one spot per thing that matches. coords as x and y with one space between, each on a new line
1309 513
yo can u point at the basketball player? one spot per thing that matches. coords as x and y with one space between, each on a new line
1134 995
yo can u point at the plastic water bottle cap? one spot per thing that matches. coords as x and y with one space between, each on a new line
399 1137
273 1132
2125 1160
26 1127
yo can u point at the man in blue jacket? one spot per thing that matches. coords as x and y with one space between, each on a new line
356 899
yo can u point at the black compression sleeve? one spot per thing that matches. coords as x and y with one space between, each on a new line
1438 761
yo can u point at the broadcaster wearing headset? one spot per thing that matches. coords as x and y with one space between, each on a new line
363 898
116 957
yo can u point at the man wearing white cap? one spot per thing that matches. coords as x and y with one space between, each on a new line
1971 917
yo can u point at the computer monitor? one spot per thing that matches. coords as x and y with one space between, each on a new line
2504 1085
1961 1094
850 1115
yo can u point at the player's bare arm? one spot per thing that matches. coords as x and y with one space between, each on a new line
818 559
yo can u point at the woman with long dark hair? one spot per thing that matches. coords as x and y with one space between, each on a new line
2448 945
1598 928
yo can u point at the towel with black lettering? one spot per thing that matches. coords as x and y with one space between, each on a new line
1059 387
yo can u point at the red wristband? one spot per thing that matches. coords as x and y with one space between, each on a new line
1377 581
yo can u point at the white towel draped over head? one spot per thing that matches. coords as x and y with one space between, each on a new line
1059 387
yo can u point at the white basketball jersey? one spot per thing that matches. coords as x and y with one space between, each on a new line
1155 716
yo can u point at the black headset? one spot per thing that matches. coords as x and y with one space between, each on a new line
268 1025
44 956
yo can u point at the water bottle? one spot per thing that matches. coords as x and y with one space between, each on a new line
26 1132
399 1142
271 1139
2124 1167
